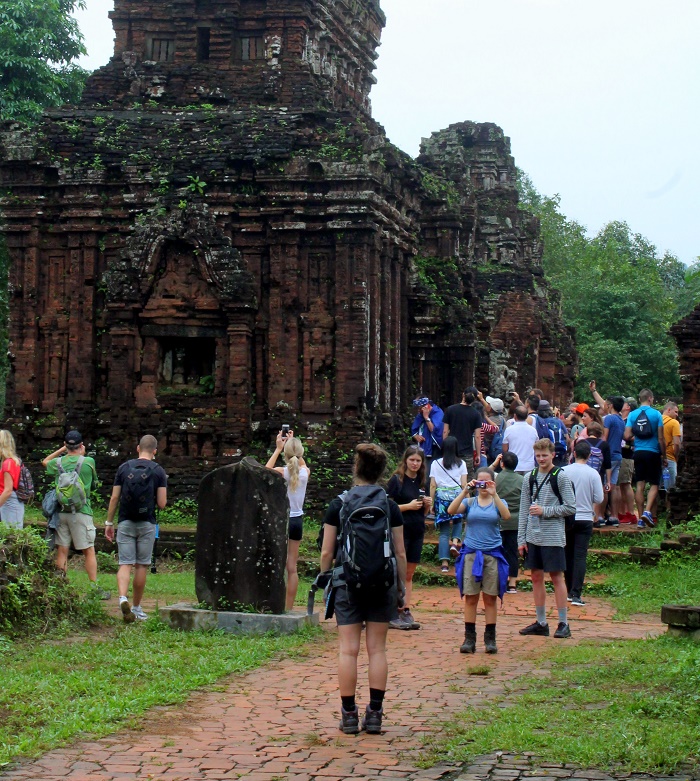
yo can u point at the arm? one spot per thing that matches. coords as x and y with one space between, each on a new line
445 431
433 490
60 452
503 509
161 498
111 512
596 396
676 446
628 436
330 534
477 446
598 493
7 488
400 550
438 431
662 445
279 447
524 516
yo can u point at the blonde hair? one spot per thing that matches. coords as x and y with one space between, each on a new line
8 448
293 452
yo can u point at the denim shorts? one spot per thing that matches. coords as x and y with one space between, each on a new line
135 540
615 474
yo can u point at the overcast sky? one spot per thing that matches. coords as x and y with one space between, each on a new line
600 98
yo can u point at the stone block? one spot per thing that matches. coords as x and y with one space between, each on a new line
188 618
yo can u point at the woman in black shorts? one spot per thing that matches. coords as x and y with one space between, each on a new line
405 488
376 609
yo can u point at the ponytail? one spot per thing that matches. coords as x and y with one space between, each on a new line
293 452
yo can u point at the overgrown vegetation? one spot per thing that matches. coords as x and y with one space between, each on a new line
619 294
34 598
631 706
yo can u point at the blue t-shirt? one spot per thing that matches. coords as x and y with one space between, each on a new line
650 445
483 526
616 429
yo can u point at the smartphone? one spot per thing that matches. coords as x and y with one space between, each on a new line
285 430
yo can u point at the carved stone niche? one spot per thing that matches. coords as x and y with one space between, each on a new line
177 289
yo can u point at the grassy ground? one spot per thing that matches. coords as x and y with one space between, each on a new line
627 706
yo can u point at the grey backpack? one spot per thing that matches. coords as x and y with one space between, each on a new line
70 489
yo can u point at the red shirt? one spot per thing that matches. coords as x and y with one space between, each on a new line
11 466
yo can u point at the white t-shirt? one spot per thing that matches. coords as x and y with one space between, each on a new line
447 478
296 498
588 487
520 438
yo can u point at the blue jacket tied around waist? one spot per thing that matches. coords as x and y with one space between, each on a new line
478 568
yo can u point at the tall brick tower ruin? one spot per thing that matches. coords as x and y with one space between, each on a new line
220 238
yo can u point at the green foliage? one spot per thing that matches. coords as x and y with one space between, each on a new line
39 41
440 189
195 185
622 706
34 597
182 512
442 280
619 295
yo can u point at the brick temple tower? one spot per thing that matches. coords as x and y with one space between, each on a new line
220 238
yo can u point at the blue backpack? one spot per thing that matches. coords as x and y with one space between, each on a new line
555 432
496 447
542 428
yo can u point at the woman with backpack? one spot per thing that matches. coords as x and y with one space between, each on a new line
373 603
11 509
296 475
448 476
405 489
482 567
601 461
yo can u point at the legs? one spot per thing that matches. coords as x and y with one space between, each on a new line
292 575
538 589
349 638
471 602
123 578
559 589
62 557
510 549
90 564
410 572
576 571
140 572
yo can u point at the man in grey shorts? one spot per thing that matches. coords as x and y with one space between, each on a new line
140 486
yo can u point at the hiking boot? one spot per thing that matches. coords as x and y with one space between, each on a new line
536 629
562 630
469 644
137 610
372 721
399 623
490 640
408 618
349 721
127 615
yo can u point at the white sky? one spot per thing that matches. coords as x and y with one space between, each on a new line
599 97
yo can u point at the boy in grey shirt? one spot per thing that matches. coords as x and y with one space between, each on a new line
547 499
589 492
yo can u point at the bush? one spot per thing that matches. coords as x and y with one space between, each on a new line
34 596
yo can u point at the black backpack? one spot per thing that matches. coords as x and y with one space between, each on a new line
138 498
554 482
642 426
366 560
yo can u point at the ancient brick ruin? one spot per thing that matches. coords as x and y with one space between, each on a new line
221 238
685 500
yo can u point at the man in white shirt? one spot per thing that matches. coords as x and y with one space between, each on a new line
589 491
520 439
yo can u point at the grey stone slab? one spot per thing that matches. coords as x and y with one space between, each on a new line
189 618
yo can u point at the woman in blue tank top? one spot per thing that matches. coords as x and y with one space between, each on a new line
481 567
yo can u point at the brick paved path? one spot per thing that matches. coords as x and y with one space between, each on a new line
280 722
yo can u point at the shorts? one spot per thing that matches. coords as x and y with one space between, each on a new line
413 536
626 471
379 608
615 474
296 528
135 540
647 467
672 473
12 512
489 583
549 558
78 528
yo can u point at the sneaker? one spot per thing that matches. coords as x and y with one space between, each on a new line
399 623
569 599
512 590
536 629
408 619
597 524
349 721
647 519
641 524
627 518
137 610
612 522
454 551
372 721
577 601
127 615
445 569
563 630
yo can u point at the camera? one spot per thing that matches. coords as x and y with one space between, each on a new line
481 484
285 430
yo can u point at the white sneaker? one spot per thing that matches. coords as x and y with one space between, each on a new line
137 610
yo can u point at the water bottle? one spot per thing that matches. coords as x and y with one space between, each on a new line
666 477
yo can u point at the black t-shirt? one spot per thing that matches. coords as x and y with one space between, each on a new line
463 421
158 479
404 493
332 517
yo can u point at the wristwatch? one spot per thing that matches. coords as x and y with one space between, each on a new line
109 523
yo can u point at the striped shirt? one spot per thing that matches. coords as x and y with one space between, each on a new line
547 529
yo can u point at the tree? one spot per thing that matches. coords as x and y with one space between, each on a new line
620 296
39 41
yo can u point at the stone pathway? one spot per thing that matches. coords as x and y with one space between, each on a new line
280 722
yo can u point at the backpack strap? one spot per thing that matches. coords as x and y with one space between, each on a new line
79 464
554 482
59 465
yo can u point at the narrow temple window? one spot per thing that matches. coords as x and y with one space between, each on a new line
203 43
251 47
186 363
161 49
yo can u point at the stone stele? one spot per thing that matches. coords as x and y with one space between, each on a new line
241 545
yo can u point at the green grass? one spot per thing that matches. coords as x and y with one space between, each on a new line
631 705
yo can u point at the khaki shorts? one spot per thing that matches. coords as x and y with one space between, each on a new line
78 527
626 471
489 583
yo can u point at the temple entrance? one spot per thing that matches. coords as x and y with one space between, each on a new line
186 364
